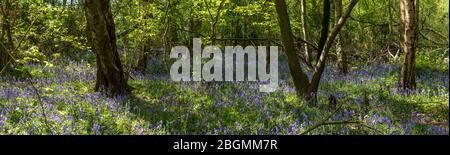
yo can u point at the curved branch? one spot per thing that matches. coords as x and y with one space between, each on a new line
322 121
340 123
308 43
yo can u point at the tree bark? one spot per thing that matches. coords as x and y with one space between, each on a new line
300 79
6 32
341 55
101 31
4 57
325 27
409 15
303 16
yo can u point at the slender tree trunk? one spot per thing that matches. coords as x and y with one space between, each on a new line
409 15
301 81
101 31
146 47
8 44
308 54
341 55
143 56
322 58
4 57
325 27
320 67
7 25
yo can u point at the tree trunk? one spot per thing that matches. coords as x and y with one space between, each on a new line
301 81
7 25
308 54
409 15
325 27
143 56
146 47
4 57
101 31
305 88
341 55
320 67
8 44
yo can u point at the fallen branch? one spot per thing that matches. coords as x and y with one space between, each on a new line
323 121
350 122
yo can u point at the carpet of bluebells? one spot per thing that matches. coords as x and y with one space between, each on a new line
159 106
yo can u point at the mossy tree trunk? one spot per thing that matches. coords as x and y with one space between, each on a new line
101 32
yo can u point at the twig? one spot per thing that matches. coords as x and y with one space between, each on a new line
26 34
431 40
308 43
189 31
435 32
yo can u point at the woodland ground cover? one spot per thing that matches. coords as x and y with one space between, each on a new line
158 105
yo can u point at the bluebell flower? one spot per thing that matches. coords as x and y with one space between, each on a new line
96 128
304 117
97 112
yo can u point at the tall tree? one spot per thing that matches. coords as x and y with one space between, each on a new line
306 88
409 15
101 32
341 55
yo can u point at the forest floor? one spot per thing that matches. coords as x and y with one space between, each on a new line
158 105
